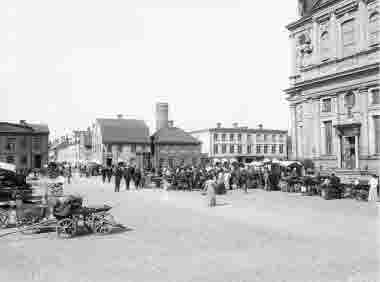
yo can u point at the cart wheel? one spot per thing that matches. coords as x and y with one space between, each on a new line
66 228
4 220
103 228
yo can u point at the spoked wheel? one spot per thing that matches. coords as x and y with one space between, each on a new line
102 228
4 218
66 228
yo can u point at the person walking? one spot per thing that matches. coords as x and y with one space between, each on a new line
243 180
118 176
373 183
127 176
104 174
137 178
210 186
69 174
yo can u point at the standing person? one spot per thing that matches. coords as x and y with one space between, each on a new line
118 176
137 178
109 172
69 174
104 174
127 177
373 183
243 180
210 186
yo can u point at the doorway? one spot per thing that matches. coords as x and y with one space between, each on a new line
37 161
348 152
109 162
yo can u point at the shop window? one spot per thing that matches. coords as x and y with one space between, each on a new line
374 29
239 149
224 148
11 144
258 149
328 137
273 149
249 149
232 149
375 96
215 148
376 121
281 148
348 37
265 149
326 105
324 46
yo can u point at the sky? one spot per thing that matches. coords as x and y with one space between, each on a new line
66 63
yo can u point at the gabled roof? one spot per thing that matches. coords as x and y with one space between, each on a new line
123 131
174 135
7 127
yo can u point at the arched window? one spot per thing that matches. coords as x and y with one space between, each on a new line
325 48
348 37
374 29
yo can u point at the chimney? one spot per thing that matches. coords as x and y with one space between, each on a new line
219 125
119 116
162 115
260 126
170 123
235 125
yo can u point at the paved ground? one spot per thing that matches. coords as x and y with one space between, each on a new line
260 236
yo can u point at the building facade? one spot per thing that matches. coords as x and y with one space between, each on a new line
24 144
121 140
242 143
334 93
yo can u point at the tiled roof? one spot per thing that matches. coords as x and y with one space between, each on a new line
123 131
174 135
8 127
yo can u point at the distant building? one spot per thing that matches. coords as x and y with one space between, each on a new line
121 140
174 147
334 91
171 145
24 144
242 143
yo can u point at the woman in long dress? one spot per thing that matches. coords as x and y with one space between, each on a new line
210 186
373 183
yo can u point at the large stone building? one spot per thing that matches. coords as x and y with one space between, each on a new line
121 140
173 146
334 94
242 143
24 144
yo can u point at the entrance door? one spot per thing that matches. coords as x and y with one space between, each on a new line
348 152
37 161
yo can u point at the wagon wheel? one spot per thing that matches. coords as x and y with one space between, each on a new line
102 228
66 228
4 218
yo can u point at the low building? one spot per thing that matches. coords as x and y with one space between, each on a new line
24 144
174 147
242 143
121 140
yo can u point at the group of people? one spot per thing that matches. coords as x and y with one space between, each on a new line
123 171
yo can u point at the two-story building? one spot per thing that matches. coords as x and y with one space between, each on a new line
24 144
121 140
242 143
334 94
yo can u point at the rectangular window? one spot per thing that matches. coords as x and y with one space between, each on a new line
258 137
375 97
328 137
274 137
120 148
273 149
249 138
374 29
232 149
23 142
215 149
11 144
223 137
215 137
10 159
239 137
326 105
258 149
249 149
231 137
265 149
325 48
265 137
224 148
376 121
348 37
281 148
239 149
